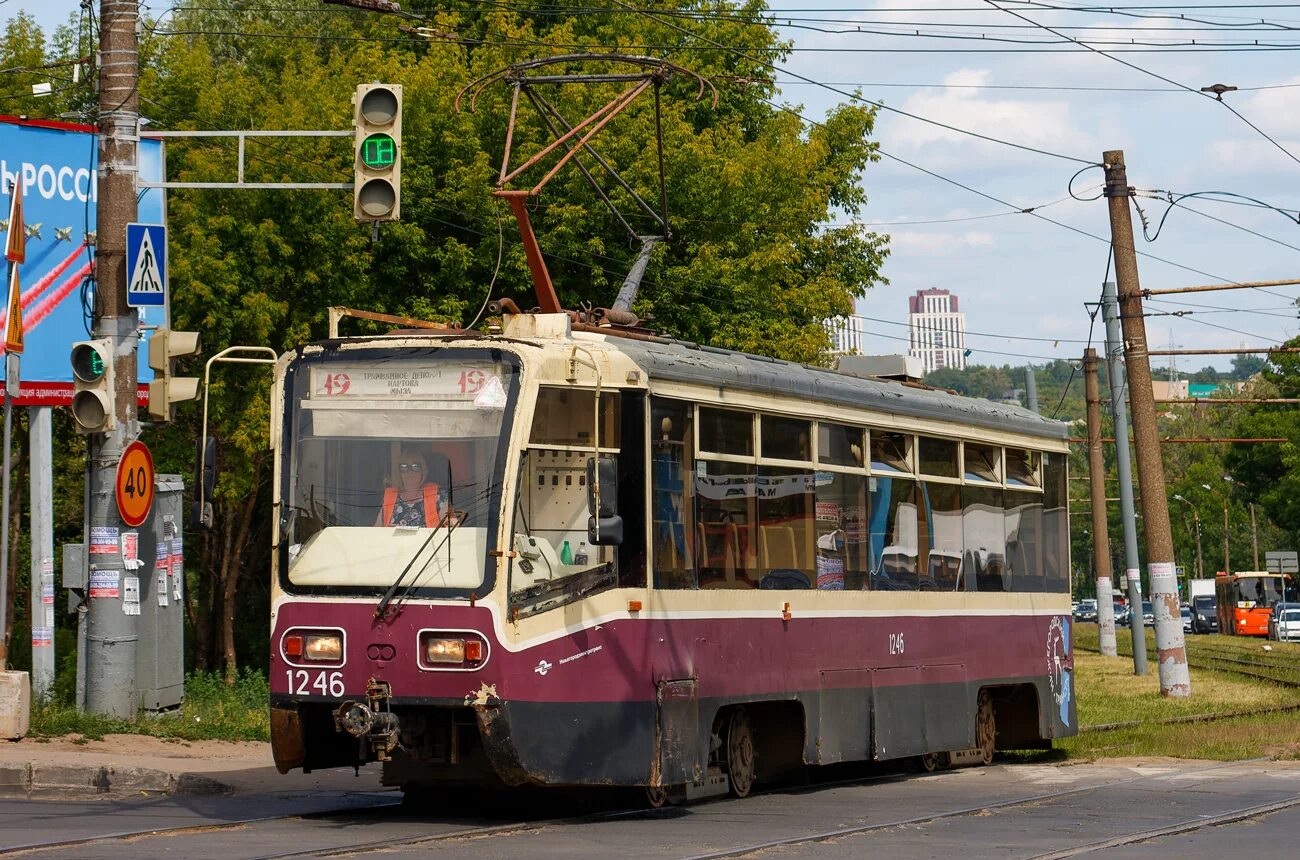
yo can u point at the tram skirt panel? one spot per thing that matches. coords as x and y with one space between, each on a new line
570 743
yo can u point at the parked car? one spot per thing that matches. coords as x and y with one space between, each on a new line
1086 610
1121 615
1284 622
1205 614
1148 613
1186 613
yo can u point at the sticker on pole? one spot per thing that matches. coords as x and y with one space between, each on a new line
135 484
146 265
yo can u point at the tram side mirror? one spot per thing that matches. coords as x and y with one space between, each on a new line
604 525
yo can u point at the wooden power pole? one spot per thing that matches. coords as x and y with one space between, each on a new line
1170 647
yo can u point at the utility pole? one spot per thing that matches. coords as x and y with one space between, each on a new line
1097 485
1031 389
112 634
1170 647
1254 536
1200 564
1118 385
1227 563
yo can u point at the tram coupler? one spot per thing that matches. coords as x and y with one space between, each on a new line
371 720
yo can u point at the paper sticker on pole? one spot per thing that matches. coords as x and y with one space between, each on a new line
135 484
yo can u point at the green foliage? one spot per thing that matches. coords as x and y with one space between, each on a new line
1270 473
212 710
749 186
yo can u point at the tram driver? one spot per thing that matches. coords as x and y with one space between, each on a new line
414 499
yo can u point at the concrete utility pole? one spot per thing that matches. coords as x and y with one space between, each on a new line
41 602
1118 384
1031 389
1254 536
112 634
1170 648
1097 484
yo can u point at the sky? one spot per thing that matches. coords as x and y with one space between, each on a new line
1027 285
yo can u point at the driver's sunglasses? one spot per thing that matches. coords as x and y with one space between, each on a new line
411 467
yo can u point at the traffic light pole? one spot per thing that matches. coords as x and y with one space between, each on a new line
112 634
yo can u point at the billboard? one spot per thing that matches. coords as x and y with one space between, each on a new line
56 163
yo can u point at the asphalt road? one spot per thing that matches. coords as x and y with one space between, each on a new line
1184 809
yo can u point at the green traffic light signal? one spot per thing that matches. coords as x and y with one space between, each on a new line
378 151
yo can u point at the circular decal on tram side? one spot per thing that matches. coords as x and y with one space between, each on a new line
1060 674
135 484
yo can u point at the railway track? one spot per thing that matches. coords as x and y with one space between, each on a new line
503 835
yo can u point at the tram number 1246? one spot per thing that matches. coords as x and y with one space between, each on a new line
895 643
304 683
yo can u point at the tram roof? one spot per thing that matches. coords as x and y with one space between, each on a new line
705 365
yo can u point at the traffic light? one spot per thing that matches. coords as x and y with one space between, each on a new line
93 399
165 346
377 178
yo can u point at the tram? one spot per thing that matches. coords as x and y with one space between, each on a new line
1245 600
655 564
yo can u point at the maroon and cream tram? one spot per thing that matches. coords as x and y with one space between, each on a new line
654 564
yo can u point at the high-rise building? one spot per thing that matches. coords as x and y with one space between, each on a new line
846 335
937 330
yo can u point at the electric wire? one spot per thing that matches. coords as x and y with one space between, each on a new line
850 95
1135 67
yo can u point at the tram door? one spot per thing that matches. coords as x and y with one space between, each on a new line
677 732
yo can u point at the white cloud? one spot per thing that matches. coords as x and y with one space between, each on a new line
939 243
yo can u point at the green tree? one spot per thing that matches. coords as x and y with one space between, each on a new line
1246 366
749 264
1270 473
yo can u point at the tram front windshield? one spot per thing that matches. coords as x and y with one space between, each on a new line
393 469
1253 592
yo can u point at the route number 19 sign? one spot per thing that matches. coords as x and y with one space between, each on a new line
135 484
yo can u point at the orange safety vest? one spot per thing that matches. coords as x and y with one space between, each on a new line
430 505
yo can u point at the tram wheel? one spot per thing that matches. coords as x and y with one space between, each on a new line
740 754
986 731
930 762
656 796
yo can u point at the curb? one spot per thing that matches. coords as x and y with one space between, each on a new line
68 781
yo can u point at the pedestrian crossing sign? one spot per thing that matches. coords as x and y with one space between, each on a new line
146 265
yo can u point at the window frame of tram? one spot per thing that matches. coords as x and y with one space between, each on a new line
797 504
553 498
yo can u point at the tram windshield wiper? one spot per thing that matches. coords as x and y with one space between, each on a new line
401 577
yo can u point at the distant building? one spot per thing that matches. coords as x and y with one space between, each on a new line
846 335
937 330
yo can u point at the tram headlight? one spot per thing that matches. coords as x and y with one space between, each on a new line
323 647
313 646
456 650
444 650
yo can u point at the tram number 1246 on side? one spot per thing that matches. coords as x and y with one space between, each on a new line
895 643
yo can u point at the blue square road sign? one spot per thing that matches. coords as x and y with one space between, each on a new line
146 265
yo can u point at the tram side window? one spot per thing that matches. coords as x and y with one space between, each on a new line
983 463
984 556
937 457
945 540
726 511
895 548
842 559
891 452
726 431
785 438
671 494
555 563
785 527
1024 535
1056 524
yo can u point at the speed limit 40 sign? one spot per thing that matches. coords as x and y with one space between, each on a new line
135 484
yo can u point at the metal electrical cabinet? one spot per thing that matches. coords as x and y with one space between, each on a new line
160 653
